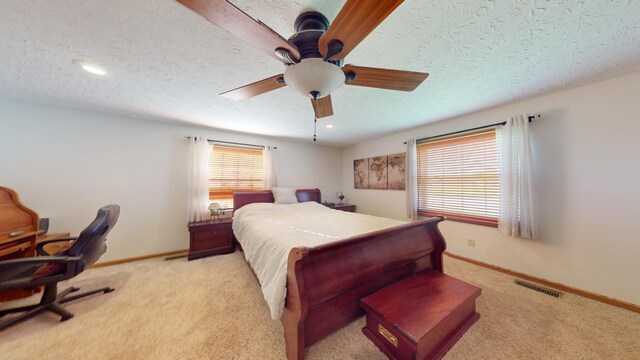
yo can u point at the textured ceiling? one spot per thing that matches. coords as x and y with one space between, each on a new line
166 62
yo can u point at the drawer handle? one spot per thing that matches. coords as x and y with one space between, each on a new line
387 335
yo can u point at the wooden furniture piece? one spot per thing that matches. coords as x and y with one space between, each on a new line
420 317
18 226
325 283
18 233
344 207
210 238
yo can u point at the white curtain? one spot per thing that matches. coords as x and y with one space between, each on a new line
517 216
267 168
199 152
411 176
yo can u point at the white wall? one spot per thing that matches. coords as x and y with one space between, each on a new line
587 164
65 163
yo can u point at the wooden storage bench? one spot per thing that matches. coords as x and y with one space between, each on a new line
420 317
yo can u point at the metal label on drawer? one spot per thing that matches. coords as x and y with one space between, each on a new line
388 335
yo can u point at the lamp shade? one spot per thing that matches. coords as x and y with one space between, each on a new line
314 74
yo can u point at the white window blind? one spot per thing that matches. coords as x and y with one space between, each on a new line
234 169
458 177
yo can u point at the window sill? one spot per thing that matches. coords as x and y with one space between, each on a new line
476 220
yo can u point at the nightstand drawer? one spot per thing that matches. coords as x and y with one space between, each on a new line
215 234
211 243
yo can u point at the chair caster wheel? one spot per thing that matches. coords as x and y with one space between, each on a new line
74 289
65 318
109 290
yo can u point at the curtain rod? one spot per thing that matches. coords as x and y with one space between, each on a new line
531 117
232 143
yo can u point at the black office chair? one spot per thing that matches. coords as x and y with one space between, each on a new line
49 269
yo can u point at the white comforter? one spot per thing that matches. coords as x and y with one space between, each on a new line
267 233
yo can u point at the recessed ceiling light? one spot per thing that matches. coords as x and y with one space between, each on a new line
96 70
329 126
91 68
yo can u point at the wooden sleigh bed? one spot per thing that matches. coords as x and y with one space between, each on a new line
325 283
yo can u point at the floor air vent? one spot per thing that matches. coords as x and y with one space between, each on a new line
528 285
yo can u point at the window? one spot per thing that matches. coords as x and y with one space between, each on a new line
233 169
458 177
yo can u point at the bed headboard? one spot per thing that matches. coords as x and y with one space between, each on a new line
308 195
241 199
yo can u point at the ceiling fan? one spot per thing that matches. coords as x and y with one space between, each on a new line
315 54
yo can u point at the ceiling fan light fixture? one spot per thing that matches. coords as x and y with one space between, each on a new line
314 74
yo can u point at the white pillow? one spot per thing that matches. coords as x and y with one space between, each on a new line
284 195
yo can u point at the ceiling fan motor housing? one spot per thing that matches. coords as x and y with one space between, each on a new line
311 20
309 26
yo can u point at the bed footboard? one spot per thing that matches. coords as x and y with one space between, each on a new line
325 283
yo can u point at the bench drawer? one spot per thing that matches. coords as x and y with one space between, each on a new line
388 340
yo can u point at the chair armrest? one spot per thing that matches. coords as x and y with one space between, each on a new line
68 261
40 246
40 260
59 239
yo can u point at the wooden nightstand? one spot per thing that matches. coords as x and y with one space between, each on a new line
210 238
344 207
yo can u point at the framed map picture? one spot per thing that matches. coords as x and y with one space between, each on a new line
395 172
361 174
378 172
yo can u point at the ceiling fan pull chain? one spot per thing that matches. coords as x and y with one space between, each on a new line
315 128
314 96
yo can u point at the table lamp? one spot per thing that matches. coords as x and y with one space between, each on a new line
214 208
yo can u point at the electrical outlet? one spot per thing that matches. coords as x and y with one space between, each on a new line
471 243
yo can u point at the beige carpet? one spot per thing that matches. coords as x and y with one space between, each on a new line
213 309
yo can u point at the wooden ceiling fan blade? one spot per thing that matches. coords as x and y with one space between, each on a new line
383 78
355 21
256 88
228 17
322 107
